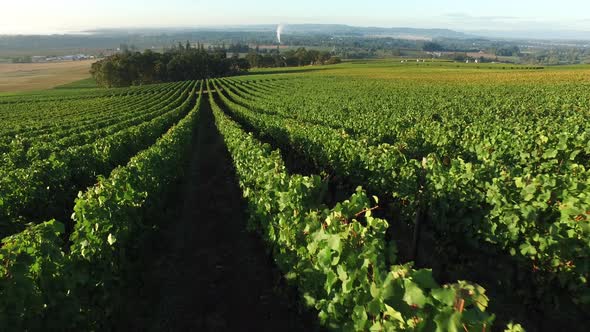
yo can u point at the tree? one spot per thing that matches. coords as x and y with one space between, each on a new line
334 60
460 57
313 57
324 57
508 51
182 63
254 59
432 47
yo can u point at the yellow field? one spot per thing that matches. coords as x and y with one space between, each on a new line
444 72
19 77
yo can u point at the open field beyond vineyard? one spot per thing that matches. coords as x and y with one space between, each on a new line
15 77
370 195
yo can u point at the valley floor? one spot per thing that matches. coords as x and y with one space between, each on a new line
21 77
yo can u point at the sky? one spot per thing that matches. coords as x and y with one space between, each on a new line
60 16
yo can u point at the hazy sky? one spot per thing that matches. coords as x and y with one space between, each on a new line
49 16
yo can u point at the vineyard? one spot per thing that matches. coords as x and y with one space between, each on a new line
391 197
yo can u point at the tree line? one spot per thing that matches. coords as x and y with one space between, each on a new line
291 58
176 64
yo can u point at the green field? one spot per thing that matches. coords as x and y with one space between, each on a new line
393 196
88 83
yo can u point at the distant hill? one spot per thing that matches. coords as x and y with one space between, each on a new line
547 35
401 32
325 29
107 41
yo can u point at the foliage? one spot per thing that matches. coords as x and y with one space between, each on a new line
337 256
508 51
46 286
179 64
432 47
35 279
41 174
292 58
508 185
494 160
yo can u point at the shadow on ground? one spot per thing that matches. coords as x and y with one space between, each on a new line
206 271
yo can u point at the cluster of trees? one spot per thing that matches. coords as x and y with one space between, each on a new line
291 58
557 56
432 47
461 57
176 64
303 57
508 51
238 48
22 59
267 60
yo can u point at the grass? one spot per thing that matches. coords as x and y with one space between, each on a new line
87 83
41 76
436 71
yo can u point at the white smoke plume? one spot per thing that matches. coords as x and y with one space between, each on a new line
279 32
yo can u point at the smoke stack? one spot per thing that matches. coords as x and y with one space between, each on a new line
279 32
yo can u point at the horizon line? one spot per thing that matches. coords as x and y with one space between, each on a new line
493 33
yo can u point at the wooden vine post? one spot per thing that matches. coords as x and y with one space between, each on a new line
420 210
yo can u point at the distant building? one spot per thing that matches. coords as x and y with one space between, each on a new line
72 57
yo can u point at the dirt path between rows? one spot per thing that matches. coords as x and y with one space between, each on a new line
210 273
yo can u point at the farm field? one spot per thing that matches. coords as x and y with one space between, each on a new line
17 77
370 195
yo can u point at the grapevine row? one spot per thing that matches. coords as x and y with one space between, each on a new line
45 286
